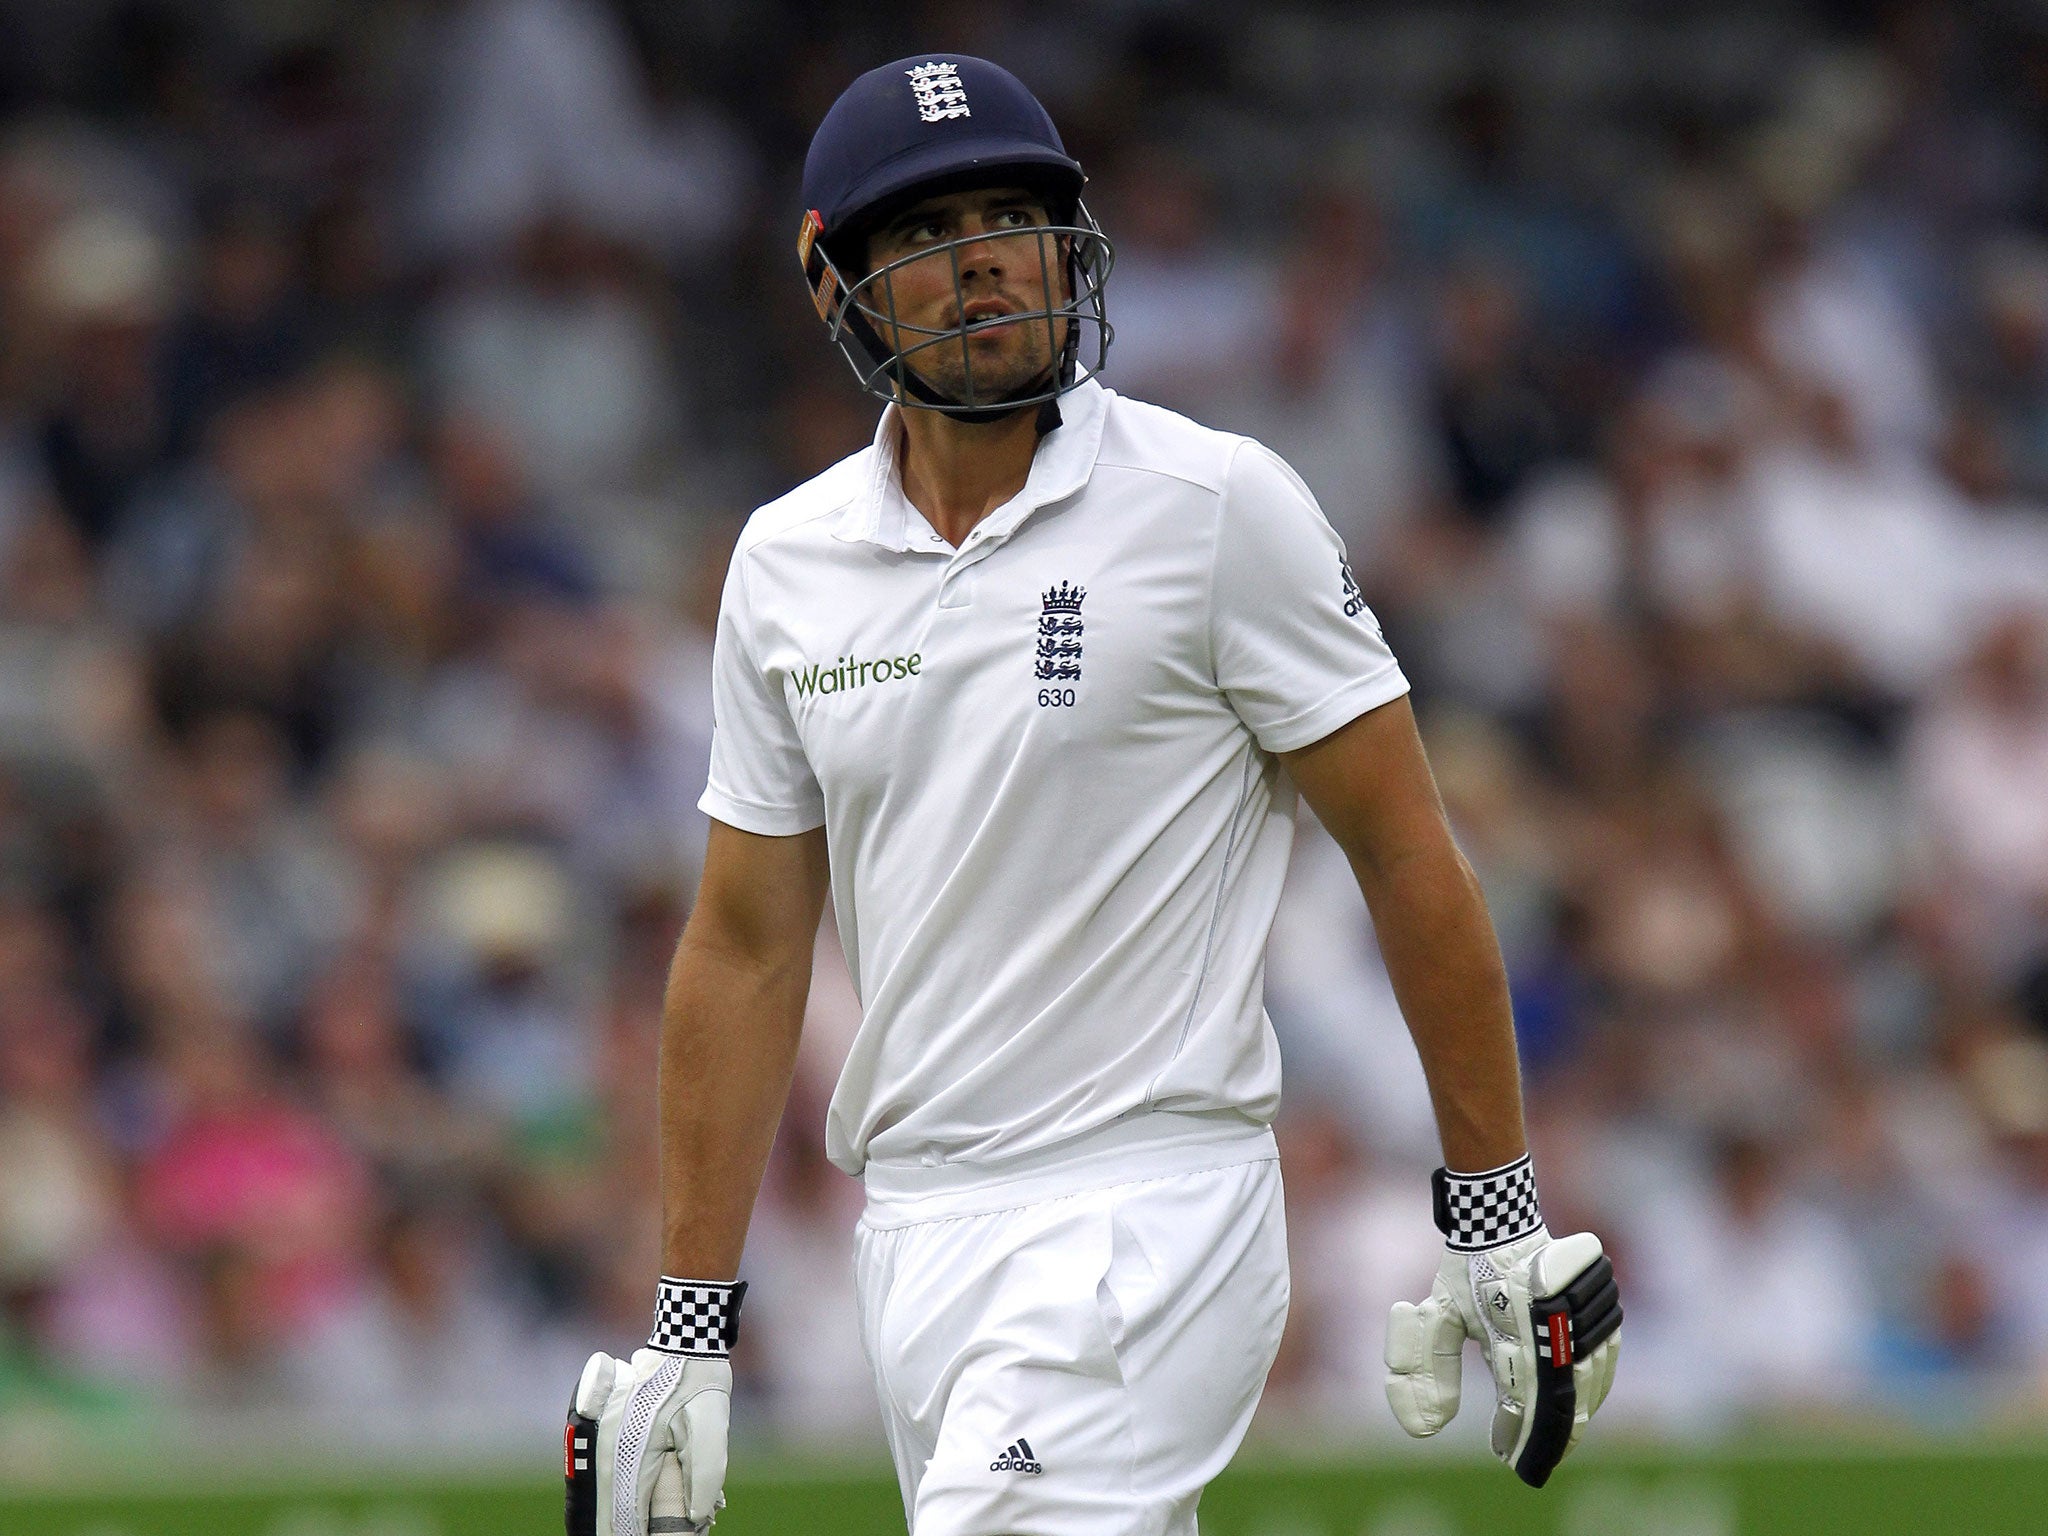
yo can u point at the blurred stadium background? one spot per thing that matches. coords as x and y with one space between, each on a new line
381 385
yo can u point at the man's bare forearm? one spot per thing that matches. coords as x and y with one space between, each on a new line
729 1032
1445 964
1370 785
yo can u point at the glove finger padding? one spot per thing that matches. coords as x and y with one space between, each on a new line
596 1411
707 1421
1599 1373
1574 1312
579 1444
1425 1362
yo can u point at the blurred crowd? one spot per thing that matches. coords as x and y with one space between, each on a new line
382 386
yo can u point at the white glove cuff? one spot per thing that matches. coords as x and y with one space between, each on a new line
1477 1211
698 1318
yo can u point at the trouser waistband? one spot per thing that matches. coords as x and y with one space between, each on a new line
1144 1146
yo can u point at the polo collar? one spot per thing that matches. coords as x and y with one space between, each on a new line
881 514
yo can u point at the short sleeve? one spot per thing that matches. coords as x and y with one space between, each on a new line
760 779
1297 652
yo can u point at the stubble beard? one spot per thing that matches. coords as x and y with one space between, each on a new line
1023 359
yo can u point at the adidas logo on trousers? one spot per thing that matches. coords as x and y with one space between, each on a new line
1017 1458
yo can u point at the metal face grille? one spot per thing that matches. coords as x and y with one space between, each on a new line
907 362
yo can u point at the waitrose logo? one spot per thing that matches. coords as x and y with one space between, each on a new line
850 673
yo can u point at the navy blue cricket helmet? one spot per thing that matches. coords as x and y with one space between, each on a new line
919 128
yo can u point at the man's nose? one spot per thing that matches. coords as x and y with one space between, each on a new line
983 254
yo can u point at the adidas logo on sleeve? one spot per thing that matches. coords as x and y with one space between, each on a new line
1017 1458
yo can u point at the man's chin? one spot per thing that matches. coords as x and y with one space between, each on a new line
990 388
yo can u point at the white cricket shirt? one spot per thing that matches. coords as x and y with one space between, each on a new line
1044 763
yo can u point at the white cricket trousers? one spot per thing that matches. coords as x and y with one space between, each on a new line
1080 1365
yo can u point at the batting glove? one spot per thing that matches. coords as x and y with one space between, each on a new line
1545 1312
644 1451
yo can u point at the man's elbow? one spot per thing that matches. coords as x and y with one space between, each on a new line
761 949
1411 867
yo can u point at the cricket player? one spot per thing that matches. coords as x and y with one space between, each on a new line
1029 688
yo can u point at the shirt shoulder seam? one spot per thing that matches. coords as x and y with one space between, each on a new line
1166 472
1215 557
748 546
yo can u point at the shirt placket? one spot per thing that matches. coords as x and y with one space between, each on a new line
957 585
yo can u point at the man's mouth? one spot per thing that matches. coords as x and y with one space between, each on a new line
985 310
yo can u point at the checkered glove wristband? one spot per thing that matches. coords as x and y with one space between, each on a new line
1477 1211
700 1318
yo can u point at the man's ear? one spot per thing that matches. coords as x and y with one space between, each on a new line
1066 267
